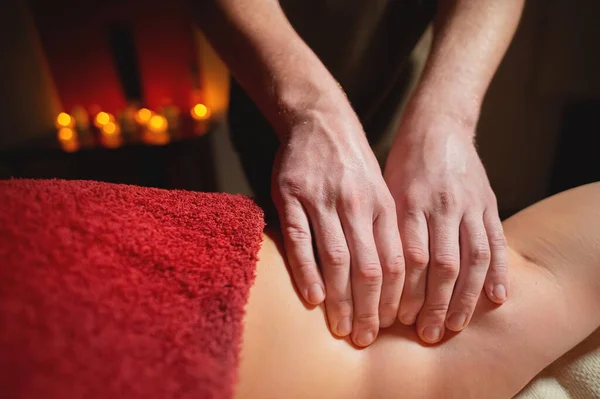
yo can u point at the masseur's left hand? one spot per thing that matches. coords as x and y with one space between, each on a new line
448 219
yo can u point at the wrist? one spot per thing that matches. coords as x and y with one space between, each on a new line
429 117
310 102
431 107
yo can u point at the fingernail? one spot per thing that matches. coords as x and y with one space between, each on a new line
315 294
344 327
365 338
407 319
457 320
499 292
431 334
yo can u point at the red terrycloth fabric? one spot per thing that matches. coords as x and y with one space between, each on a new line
115 291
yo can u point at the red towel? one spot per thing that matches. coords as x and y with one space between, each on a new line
114 291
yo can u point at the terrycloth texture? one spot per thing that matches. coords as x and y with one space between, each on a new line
114 291
576 375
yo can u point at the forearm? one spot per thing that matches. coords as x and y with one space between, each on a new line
278 70
470 39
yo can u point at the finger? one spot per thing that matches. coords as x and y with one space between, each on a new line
366 276
442 274
298 246
389 249
496 282
415 242
474 263
335 266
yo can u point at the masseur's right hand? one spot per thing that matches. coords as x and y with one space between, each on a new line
330 193
327 185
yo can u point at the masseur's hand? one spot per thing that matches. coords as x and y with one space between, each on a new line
451 232
330 192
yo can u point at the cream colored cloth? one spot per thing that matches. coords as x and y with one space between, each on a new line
575 375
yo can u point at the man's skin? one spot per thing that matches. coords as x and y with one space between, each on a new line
327 184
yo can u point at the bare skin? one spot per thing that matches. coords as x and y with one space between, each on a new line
554 259
447 212
329 189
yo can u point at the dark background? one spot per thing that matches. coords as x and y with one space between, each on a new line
537 134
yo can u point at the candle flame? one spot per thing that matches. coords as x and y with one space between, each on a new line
64 120
143 115
66 134
157 123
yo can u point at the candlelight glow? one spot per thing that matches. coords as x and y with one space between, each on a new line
143 115
67 138
158 124
200 112
65 134
70 145
156 138
110 128
112 141
64 120
102 118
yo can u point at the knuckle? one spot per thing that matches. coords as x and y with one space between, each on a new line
412 205
336 256
353 203
388 205
480 254
394 267
366 319
497 240
444 202
305 267
446 265
436 309
498 268
370 275
468 298
290 184
388 305
417 258
491 197
296 233
416 298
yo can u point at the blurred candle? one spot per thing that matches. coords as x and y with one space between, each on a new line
111 129
82 126
64 120
66 134
201 115
111 135
143 115
200 112
102 118
156 132
158 124
67 138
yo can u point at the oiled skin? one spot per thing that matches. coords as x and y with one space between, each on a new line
554 261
